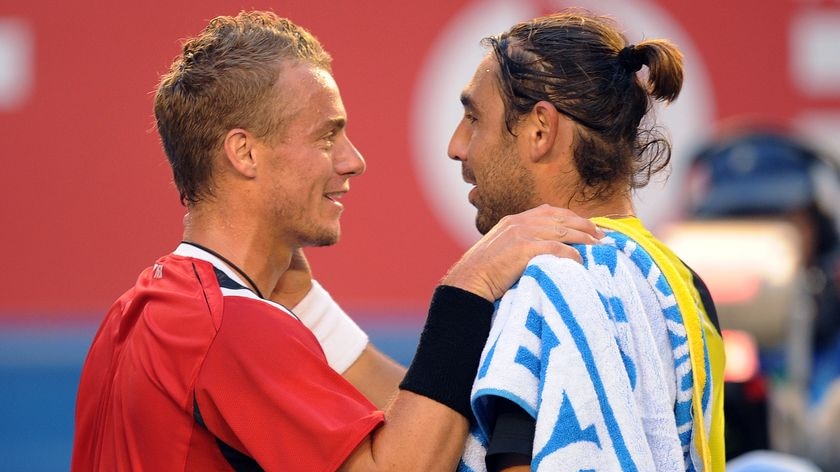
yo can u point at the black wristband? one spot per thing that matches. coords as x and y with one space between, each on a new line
449 351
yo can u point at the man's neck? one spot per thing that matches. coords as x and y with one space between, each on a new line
560 185
250 249
616 206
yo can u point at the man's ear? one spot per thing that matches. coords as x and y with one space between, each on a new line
240 151
541 130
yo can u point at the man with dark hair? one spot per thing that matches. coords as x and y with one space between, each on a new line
197 367
615 364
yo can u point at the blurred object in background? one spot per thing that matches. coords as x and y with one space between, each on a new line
764 235
770 461
733 259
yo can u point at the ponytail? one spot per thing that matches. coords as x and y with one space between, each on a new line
665 66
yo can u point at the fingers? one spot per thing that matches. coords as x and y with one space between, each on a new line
552 223
557 249
548 231
568 219
299 262
497 260
571 236
295 282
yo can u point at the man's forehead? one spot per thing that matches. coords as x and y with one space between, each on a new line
484 79
488 64
306 78
310 99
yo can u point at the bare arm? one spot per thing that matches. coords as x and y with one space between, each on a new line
419 434
423 434
376 375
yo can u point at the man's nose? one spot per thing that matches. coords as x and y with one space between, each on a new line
457 143
351 161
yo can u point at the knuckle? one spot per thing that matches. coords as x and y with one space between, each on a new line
570 253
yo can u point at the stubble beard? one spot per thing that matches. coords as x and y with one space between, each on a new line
497 208
308 233
322 238
508 188
313 235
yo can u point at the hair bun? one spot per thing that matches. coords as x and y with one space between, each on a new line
630 59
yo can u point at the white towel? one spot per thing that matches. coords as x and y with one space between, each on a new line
597 354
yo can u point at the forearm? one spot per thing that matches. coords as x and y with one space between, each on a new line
376 375
419 434
425 426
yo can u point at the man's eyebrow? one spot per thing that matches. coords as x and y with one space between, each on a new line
332 124
467 101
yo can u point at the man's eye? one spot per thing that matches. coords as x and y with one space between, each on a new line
470 117
326 141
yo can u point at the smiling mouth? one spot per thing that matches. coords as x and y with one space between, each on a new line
335 196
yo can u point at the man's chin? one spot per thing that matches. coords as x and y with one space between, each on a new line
323 243
483 225
325 238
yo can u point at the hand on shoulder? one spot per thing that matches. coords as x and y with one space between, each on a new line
497 260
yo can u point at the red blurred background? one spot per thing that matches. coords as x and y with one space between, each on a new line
88 193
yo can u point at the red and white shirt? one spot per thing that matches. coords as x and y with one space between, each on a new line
190 370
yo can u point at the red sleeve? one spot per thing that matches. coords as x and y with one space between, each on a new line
265 389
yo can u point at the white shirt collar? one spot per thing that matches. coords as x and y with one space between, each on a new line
188 250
